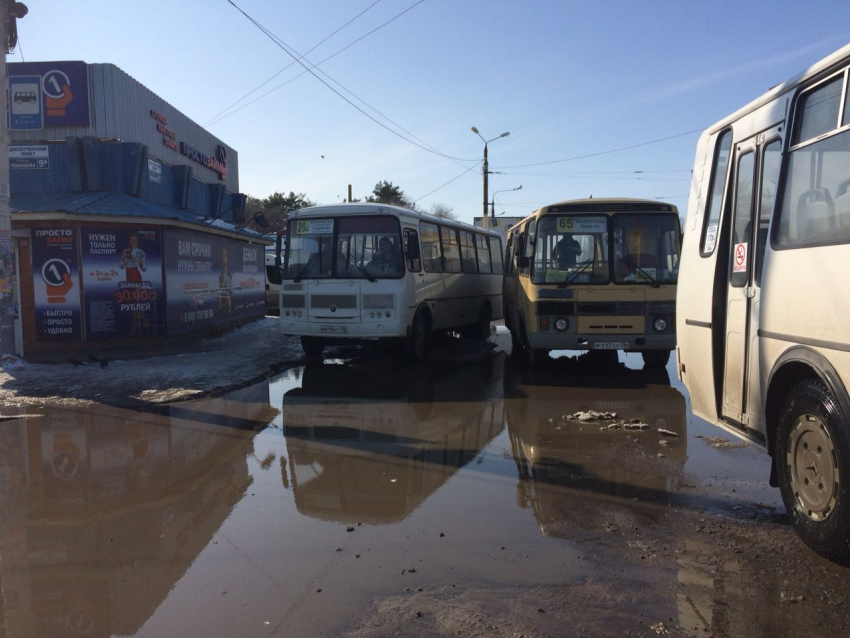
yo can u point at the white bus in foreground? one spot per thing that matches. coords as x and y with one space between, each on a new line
763 336
372 271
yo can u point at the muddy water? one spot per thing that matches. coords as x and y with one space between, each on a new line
361 497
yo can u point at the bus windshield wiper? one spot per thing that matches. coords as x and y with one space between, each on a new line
572 276
643 273
305 267
365 272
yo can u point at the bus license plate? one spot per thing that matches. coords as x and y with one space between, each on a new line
611 345
334 330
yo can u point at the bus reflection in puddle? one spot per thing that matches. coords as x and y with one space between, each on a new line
372 441
571 472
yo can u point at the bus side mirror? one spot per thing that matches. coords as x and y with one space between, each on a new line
274 274
524 261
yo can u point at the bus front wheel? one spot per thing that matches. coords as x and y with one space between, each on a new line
655 358
312 346
417 340
812 456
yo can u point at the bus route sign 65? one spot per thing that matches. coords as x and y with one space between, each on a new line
582 224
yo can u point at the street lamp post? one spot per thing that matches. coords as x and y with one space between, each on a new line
486 171
493 200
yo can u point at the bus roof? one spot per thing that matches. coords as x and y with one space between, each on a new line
832 60
367 208
603 205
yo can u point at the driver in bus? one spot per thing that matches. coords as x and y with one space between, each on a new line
566 251
386 259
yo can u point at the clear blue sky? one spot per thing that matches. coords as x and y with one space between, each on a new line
565 78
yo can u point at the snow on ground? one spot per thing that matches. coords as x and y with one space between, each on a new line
212 365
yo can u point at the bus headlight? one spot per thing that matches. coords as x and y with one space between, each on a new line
660 325
562 324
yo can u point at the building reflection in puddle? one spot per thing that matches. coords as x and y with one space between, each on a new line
371 442
104 509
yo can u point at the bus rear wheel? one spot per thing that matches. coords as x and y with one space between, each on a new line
812 457
312 346
482 328
655 359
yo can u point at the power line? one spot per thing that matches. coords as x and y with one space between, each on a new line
259 86
286 48
613 150
605 177
448 182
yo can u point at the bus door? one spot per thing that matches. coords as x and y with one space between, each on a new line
756 174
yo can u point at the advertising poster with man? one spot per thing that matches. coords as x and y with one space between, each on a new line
211 280
122 282
56 284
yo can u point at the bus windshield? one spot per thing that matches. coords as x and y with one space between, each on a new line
646 248
571 250
361 248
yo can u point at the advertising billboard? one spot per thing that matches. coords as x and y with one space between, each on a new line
56 284
122 282
64 98
211 280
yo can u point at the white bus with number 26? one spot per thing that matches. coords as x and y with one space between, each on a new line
372 271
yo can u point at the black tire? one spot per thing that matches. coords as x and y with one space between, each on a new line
417 341
482 327
812 456
655 359
312 346
533 356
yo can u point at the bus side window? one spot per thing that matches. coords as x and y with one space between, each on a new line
815 207
496 254
528 247
411 250
483 245
451 249
467 252
716 188
432 260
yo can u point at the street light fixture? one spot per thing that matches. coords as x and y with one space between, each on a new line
486 170
493 200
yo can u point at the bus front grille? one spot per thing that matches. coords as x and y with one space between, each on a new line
340 301
545 308
292 301
612 308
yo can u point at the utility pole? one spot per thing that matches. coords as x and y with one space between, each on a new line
9 12
485 223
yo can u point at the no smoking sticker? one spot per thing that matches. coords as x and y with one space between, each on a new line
739 263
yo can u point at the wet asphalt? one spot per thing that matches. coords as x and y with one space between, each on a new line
360 496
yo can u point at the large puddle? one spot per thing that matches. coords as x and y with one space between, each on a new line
363 495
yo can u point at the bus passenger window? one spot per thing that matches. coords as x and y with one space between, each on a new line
467 252
815 208
716 188
496 254
451 250
483 253
411 250
817 111
432 259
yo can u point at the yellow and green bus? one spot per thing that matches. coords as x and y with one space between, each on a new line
594 274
